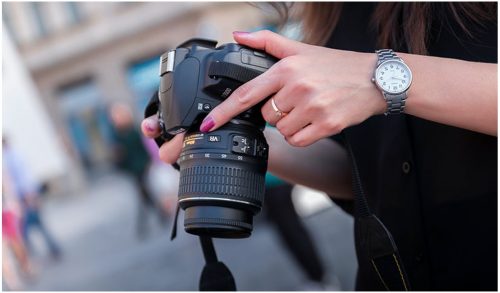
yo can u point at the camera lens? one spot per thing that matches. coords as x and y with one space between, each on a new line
222 178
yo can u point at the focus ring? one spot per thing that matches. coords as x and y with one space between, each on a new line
222 181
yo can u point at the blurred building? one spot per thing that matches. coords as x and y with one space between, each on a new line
26 126
84 55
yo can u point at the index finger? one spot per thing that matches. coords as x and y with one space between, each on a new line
242 99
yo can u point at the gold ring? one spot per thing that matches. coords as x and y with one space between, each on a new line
277 111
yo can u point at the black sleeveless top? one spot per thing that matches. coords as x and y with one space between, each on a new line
434 186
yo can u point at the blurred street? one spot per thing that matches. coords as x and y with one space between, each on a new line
96 230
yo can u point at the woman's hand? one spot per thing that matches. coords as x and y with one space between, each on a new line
170 151
323 166
322 90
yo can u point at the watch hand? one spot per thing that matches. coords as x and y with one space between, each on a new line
398 78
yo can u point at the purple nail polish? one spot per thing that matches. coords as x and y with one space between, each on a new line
149 125
207 124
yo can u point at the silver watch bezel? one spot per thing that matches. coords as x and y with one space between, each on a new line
375 80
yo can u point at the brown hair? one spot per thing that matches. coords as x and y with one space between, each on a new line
395 22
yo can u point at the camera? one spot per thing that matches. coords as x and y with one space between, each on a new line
222 173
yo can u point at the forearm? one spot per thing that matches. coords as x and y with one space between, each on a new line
323 166
453 92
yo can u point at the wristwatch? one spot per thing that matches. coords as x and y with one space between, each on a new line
393 77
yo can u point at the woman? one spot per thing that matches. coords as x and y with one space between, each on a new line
430 174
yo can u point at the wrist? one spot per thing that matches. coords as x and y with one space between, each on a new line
377 103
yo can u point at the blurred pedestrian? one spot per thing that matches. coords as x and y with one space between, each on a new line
131 156
26 189
12 241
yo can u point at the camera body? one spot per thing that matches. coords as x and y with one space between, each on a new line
222 173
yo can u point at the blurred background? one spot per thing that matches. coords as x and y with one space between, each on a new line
78 213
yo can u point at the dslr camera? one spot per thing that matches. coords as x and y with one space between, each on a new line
222 173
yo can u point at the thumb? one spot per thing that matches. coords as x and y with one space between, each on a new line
274 44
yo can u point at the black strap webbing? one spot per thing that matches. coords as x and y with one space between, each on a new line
374 243
215 275
173 233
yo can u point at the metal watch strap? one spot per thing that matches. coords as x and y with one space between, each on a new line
386 54
395 102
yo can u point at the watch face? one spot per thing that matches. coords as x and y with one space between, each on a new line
393 76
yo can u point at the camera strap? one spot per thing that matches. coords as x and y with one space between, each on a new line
215 276
375 246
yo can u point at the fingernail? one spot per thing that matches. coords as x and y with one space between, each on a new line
149 125
240 33
207 124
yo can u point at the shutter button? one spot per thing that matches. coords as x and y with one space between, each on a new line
406 167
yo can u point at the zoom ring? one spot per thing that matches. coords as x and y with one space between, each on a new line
219 180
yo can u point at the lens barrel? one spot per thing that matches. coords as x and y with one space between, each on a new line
222 180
